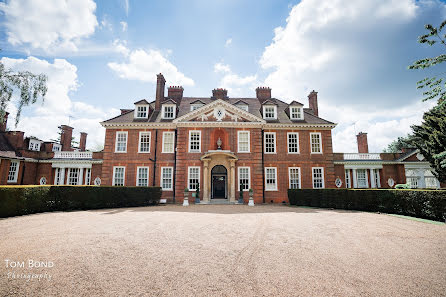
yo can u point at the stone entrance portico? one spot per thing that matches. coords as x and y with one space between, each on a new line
218 157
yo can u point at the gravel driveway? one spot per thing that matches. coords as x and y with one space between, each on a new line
222 250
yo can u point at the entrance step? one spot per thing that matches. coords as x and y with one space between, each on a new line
218 201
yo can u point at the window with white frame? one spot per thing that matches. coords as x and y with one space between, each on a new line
88 176
57 147
193 178
194 141
34 145
270 142
73 176
347 179
13 171
376 178
169 111
243 141
243 106
195 106
318 177
361 177
294 176
118 176
293 142
244 178
167 178
168 142
144 142
121 142
270 179
296 113
58 176
413 182
142 177
142 112
316 143
269 112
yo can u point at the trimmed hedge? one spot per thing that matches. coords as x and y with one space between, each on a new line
21 200
428 204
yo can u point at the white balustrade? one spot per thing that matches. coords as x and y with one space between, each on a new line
73 155
366 156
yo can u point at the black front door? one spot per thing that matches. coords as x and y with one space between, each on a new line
219 187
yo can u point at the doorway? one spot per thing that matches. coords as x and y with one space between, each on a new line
219 182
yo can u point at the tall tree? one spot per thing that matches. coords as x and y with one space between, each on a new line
431 139
401 143
29 85
435 87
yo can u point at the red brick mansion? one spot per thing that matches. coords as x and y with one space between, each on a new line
217 143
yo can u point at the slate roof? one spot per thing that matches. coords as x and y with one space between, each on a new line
254 107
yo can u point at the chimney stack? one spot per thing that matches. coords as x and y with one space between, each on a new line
263 94
175 93
312 102
65 137
363 146
160 86
220 93
83 141
4 122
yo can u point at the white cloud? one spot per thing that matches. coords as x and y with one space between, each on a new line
144 65
106 24
126 6
228 42
49 24
235 84
42 120
221 68
355 53
124 26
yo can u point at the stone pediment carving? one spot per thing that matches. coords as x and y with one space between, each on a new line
219 111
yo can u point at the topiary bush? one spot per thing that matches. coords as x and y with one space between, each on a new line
428 204
20 200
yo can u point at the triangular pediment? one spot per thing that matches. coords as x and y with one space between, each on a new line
219 111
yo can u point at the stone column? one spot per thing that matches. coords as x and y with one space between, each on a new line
421 180
81 176
372 179
232 179
206 181
355 181
62 176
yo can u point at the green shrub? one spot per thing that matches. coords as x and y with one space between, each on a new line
22 200
429 204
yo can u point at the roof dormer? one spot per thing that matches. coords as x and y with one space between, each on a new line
242 105
196 105
269 110
296 111
142 109
169 110
34 144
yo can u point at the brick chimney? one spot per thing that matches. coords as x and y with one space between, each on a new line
263 94
65 137
175 93
363 146
83 141
160 86
312 102
4 122
220 93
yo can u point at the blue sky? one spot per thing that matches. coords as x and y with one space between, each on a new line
103 55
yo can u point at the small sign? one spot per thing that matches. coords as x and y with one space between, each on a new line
163 201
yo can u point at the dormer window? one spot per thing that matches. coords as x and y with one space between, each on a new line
57 147
169 111
270 112
141 112
243 106
296 113
34 145
195 106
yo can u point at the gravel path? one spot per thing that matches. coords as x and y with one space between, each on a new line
222 250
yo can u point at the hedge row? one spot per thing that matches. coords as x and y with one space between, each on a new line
428 204
33 199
